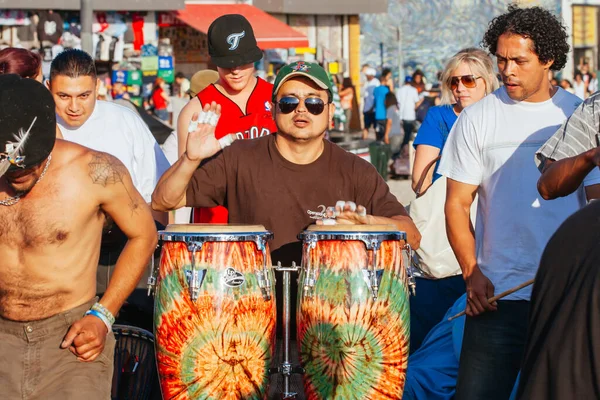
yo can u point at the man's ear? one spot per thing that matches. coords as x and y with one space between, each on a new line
273 111
48 84
97 88
331 112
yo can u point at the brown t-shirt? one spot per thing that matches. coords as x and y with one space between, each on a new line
258 186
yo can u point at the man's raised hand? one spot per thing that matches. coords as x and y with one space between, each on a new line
201 141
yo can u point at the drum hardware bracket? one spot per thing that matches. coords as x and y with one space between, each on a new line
262 276
286 369
373 277
153 272
193 276
311 279
411 278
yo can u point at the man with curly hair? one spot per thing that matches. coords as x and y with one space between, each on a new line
489 153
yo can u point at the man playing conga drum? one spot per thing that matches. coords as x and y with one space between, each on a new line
55 337
285 181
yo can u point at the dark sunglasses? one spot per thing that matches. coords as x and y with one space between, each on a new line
314 105
469 81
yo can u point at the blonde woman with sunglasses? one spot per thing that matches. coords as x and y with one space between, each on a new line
468 77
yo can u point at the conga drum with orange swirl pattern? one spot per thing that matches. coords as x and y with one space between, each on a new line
353 312
215 312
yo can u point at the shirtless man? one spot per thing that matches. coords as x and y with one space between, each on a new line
55 338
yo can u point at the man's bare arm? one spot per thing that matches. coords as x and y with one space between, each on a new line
461 235
183 123
119 199
170 192
563 177
123 203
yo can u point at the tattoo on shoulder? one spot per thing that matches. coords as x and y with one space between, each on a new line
105 169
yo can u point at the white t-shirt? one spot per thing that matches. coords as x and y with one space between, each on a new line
393 113
369 101
119 131
408 97
493 145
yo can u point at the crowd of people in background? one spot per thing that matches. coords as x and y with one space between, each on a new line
585 81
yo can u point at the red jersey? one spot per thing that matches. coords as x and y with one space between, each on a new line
254 122
159 101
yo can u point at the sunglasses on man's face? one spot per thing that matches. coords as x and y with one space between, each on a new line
314 105
469 81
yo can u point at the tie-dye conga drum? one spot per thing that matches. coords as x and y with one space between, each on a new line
353 312
214 312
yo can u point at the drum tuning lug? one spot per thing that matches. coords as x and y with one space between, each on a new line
151 283
413 285
409 269
374 287
373 278
152 278
262 275
195 278
309 282
264 284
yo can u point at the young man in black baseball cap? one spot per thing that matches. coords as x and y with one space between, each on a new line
243 97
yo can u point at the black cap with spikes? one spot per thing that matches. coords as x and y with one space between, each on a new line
27 123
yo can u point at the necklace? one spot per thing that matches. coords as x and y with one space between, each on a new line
15 199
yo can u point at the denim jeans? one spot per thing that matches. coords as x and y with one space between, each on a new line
162 114
409 127
434 298
492 352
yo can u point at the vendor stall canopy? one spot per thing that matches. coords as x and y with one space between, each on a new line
270 32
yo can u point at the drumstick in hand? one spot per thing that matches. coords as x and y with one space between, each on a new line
498 297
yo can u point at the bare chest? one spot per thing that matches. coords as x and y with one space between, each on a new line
41 221
27 226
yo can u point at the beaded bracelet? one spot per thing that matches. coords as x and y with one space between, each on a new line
101 317
104 311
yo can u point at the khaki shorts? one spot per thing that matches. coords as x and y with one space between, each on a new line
35 367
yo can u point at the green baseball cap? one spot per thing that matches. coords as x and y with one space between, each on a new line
312 71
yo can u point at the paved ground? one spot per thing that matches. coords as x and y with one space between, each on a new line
402 190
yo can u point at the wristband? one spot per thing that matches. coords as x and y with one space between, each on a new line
101 317
225 141
104 311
